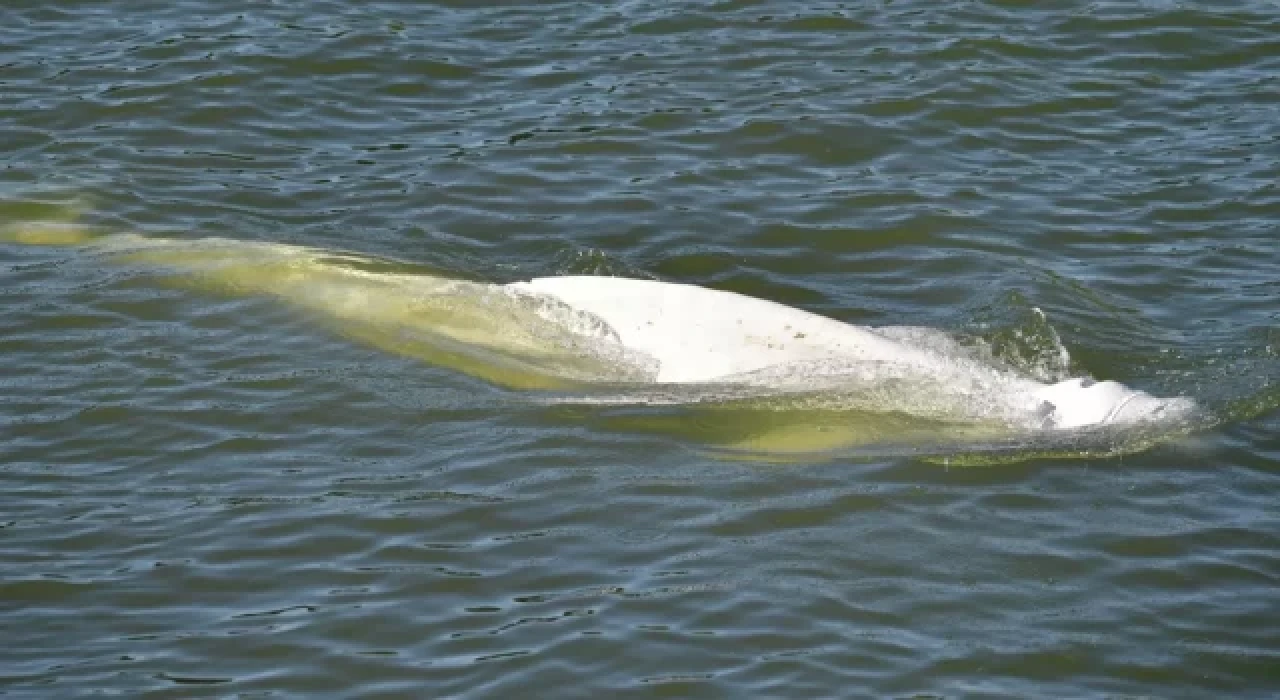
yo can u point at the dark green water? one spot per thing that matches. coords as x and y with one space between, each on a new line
204 496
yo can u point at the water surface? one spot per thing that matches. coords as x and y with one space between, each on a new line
209 495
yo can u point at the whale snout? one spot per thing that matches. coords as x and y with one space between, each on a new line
1083 402
1145 408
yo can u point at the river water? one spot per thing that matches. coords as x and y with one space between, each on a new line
218 495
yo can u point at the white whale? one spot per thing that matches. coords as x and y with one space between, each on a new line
619 341
700 335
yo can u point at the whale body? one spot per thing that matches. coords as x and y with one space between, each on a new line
804 380
699 335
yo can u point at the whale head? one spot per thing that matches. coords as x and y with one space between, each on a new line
1082 402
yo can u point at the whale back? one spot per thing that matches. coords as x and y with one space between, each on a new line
698 334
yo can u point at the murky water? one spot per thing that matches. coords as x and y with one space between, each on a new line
211 494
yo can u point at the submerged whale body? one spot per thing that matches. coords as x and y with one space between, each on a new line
804 382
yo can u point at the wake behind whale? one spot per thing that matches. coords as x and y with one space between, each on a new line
718 368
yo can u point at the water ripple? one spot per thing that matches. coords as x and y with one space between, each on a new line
206 497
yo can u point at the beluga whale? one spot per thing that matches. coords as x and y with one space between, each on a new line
738 373
696 335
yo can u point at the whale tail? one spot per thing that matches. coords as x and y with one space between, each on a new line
44 223
484 330
46 233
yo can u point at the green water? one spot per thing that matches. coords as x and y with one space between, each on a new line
213 495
